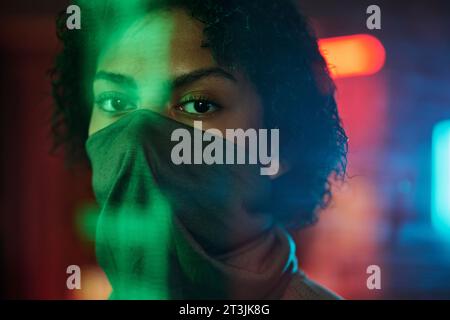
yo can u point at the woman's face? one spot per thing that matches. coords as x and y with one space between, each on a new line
159 64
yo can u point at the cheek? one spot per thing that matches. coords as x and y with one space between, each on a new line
247 112
244 113
250 115
234 120
249 109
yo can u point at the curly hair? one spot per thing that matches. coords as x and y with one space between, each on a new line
273 44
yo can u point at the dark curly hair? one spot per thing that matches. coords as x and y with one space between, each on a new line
272 43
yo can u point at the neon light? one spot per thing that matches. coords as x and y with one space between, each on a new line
440 184
354 55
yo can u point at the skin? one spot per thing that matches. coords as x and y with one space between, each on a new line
159 63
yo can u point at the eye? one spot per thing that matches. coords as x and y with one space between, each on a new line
115 102
198 107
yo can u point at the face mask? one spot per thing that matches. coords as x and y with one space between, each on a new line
170 231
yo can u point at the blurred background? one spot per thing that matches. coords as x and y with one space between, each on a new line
392 212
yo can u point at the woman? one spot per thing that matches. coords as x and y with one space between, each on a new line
139 70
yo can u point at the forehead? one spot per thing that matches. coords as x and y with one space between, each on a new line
162 43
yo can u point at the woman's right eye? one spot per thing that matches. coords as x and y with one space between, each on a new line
115 103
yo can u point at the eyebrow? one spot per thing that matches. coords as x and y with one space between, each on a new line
179 81
196 75
117 78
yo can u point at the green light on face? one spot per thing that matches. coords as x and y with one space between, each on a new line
132 44
141 240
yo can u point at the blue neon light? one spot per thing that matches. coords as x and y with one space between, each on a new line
440 184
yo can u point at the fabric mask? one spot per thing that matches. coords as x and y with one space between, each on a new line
186 231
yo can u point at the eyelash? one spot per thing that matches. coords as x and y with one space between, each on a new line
104 97
132 104
198 99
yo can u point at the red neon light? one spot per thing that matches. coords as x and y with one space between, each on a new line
354 55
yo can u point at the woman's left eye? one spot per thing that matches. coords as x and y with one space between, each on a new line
198 107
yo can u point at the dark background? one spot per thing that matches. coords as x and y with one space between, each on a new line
382 216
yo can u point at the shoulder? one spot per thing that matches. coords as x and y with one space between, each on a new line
303 288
